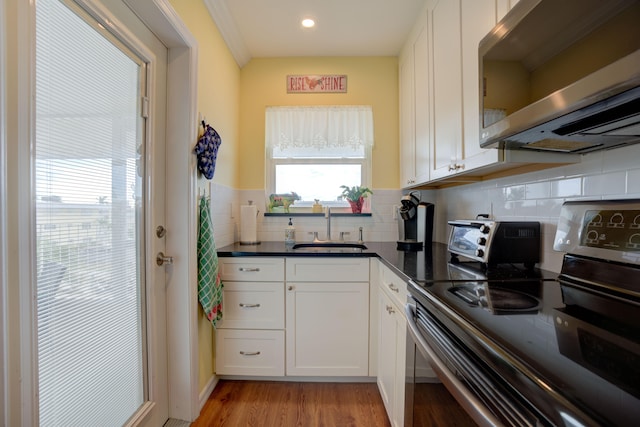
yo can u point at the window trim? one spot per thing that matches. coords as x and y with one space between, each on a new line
270 172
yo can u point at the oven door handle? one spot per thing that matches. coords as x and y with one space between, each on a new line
465 398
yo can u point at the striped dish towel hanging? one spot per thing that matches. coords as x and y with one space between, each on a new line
209 283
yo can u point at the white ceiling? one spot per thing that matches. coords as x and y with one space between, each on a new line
271 28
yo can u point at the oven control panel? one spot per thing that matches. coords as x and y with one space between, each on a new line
618 230
607 229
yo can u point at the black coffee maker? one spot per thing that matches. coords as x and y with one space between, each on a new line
415 223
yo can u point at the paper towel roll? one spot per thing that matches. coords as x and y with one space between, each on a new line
248 224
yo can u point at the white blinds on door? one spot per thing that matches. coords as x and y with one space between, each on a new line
88 217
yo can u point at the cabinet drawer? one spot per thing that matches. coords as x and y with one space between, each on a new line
249 352
253 305
328 269
254 269
394 286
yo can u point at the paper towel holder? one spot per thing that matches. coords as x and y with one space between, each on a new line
251 242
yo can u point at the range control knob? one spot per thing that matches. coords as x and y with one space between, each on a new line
479 253
482 241
484 229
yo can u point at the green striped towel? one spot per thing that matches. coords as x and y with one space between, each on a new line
209 283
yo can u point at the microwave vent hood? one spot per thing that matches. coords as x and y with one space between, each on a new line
564 75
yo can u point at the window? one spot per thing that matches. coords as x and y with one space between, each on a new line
312 151
89 219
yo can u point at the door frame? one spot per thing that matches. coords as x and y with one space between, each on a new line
181 218
181 204
4 420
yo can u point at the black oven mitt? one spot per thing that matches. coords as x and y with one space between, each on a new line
207 151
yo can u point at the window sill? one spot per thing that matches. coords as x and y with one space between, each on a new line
309 214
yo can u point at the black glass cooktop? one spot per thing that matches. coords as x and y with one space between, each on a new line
435 265
576 356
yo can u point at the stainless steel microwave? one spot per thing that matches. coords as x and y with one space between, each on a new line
562 75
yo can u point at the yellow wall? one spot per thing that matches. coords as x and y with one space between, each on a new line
218 102
218 84
233 102
370 81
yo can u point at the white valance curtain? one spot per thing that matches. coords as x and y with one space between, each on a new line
319 131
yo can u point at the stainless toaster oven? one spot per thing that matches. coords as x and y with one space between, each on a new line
495 242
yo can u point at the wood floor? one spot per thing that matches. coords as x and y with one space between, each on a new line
284 404
438 408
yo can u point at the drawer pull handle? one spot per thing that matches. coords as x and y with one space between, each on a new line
250 353
249 305
393 287
249 269
390 309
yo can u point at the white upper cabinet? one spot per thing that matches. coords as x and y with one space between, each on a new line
458 26
440 99
447 88
414 106
478 17
502 7
407 118
422 116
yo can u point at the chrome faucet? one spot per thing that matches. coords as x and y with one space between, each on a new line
327 215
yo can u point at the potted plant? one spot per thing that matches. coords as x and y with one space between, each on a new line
355 196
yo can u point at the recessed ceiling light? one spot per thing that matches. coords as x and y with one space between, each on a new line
308 23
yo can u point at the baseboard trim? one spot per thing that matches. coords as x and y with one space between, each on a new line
299 379
207 390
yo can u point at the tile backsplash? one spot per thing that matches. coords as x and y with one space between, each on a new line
222 216
380 226
225 210
538 196
535 196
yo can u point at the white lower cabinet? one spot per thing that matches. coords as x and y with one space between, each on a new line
327 329
392 329
250 337
253 305
249 352
317 320
327 317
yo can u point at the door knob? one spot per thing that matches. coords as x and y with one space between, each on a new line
162 259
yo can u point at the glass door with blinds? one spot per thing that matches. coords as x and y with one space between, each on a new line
91 212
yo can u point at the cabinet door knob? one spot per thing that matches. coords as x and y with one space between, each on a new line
290 288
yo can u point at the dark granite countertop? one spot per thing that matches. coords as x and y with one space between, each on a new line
428 265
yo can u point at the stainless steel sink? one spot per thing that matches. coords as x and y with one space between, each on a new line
329 245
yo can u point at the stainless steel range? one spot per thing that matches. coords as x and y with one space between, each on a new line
523 347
